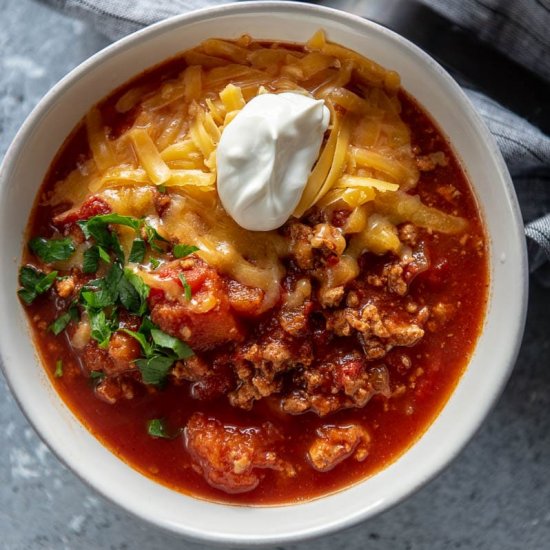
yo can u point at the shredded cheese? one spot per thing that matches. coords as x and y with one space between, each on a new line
365 164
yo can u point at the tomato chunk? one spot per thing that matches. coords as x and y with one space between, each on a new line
94 206
204 321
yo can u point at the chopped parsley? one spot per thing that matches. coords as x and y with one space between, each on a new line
91 257
141 338
186 287
60 324
102 327
106 240
34 282
182 250
162 340
137 253
135 292
157 428
153 238
97 226
52 250
90 261
102 297
155 262
121 288
103 254
155 369
58 372
160 351
104 292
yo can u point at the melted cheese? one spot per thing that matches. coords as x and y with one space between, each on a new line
173 141
251 258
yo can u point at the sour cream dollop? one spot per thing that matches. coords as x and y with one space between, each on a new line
265 156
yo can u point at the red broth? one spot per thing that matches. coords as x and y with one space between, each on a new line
422 377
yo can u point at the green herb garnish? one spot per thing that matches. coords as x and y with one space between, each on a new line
154 370
186 287
153 236
102 327
133 292
106 240
60 324
103 297
130 298
92 256
154 262
96 226
52 250
161 351
103 254
142 339
137 253
116 247
104 292
157 428
163 340
34 283
182 250
58 373
90 261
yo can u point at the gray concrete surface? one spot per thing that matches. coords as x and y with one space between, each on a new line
496 494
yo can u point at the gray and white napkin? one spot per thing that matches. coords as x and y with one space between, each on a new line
520 29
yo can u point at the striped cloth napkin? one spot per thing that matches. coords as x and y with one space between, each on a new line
518 28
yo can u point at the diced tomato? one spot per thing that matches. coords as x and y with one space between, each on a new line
204 322
94 206
195 274
156 295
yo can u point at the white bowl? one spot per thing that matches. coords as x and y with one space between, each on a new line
52 120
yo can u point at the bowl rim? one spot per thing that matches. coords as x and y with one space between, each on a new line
452 450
